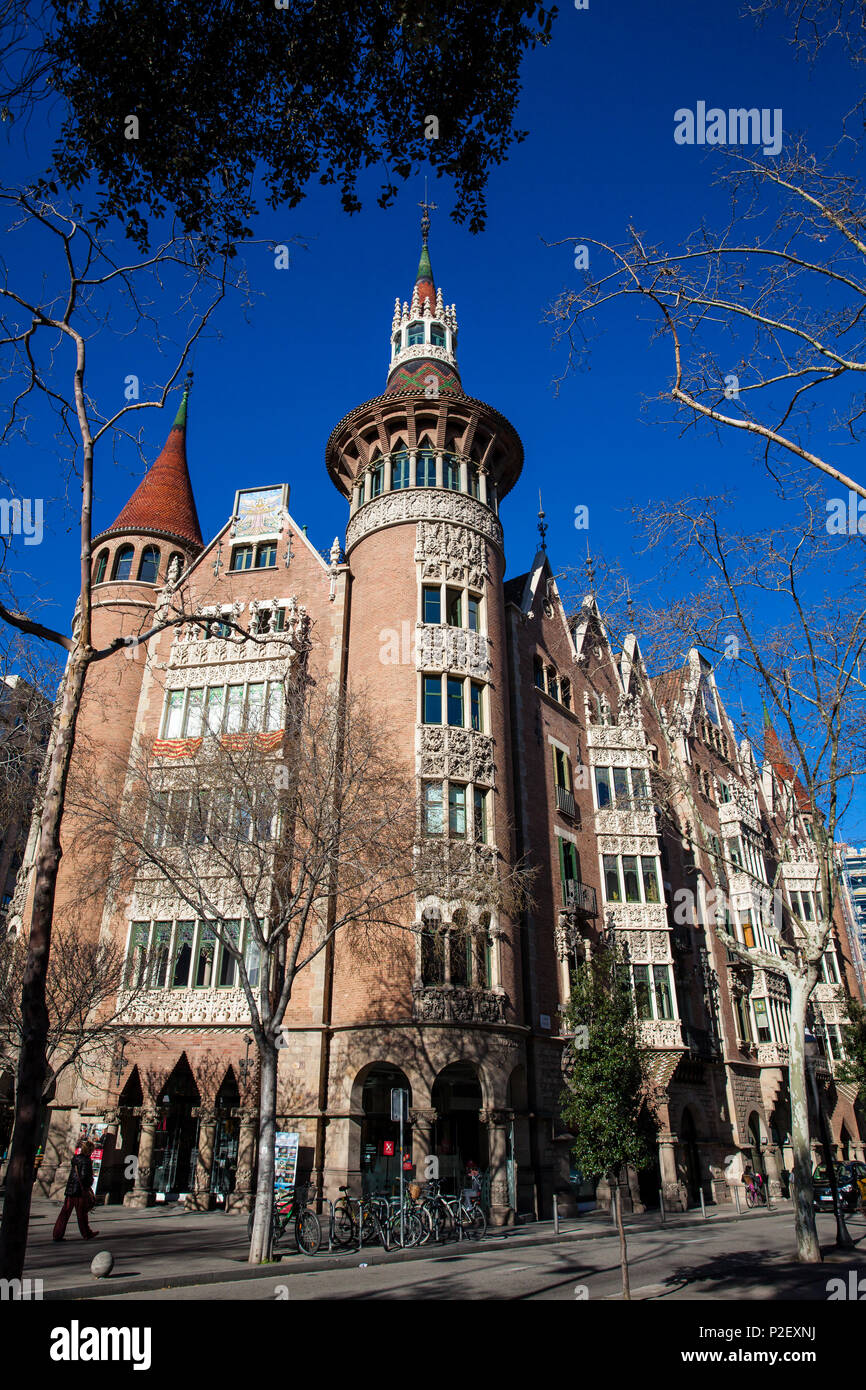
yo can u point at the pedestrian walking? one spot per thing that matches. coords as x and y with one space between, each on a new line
79 1196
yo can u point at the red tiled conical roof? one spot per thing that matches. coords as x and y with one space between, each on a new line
163 500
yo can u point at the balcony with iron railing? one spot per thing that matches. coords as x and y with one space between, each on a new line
565 802
579 897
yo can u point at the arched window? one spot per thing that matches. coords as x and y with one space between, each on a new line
266 555
415 334
149 566
101 567
123 562
377 477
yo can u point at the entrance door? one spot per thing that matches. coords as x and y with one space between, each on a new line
225 1156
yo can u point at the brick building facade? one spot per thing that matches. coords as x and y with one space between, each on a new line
528 738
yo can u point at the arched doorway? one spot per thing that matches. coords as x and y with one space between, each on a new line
691 1156
380 1135
458 1134
845 1144
225 1149
175 1140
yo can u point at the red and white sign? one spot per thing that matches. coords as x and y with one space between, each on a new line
388 1148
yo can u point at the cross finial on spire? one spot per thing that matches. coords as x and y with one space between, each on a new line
425 215
542 524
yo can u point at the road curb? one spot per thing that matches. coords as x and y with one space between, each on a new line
524 1236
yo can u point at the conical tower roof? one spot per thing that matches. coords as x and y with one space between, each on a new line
164 501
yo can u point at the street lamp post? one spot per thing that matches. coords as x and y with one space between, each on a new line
843 1238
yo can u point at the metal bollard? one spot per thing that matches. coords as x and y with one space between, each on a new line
555 1215
737 1201
662 1206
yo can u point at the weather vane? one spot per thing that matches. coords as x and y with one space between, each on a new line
425 215
542 524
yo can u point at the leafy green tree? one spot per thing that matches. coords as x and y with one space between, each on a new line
178 105
852 1070
606 1087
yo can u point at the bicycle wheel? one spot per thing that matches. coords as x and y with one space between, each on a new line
308 1232
425 1216
344 1230
412 1229
476 1228
371 1227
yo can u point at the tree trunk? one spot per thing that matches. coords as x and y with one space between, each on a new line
623 1250
808 1248
263 1219
32 1062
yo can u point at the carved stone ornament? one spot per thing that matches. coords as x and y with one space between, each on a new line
423 504
460 754
455 649
452 553
181 1007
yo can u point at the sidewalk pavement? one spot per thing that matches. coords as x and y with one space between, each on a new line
167 1247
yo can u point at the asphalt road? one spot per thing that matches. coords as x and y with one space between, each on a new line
731 1261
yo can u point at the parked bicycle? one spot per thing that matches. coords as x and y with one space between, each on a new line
446 1216
359 1221
291 1210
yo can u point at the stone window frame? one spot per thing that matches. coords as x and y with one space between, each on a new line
482 937
272 688
472 789
642 900
467 591
473 478
145 965
655 968
467 682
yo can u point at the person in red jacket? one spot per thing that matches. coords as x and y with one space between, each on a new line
79 1195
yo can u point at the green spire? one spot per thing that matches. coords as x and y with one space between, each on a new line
425 269
180 418
766 714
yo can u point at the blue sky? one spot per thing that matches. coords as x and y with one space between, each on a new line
599 104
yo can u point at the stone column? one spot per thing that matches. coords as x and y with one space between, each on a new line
497 1122
422 1121
242 1197
413 468
142 1194
200 1197
674 1192
440 470
482 485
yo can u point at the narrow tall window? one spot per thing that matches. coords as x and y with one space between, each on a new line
552 683
602 787
480 808
432 952
400 470
473 613
538 669
255 707
203 977
101 567
630 878
621 789
276 716
612 888
149 565
426 469
457 811
182 955
377 476
451 473
477 707
137 959
565 693
123 562
662 986
454 607
227 978
159 955
432 808
266 556
173 723
415 335
194 713
650 880
432 603
432 699
235 712
215 701
437 335
455 703
472 479
642 998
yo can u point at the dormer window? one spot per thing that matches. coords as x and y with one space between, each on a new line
437 335
415 334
